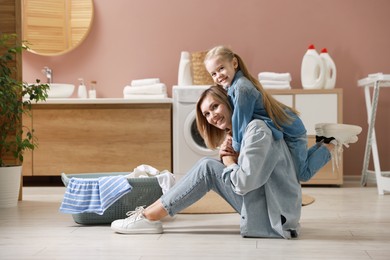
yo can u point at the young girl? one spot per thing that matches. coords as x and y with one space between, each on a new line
250 101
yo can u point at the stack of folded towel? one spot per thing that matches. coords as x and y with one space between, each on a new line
145 89
273 80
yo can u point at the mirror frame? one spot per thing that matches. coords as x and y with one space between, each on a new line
48 34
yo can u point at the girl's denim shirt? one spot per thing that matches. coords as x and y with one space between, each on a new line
247 104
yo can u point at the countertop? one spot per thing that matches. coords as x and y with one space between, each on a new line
104 101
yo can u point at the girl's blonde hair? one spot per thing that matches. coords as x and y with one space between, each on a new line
213 136
275 109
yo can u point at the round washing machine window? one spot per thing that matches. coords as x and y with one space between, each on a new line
193 138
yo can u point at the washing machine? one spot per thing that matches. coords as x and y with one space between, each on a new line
188 145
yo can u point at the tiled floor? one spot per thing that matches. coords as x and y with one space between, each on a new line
344 223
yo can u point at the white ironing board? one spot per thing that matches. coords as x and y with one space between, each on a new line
376 81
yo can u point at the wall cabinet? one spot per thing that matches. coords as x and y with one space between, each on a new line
316 106
77 138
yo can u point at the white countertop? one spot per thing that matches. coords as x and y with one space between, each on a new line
104 101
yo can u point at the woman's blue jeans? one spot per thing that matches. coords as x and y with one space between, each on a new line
204 176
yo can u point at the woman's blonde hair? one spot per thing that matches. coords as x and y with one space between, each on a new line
213 136
275 109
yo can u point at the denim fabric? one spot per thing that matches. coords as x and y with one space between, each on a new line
262 186
247 104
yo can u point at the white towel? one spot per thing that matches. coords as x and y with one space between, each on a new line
274 76
274 82
93 195
165 178
139 97
143 82
159 88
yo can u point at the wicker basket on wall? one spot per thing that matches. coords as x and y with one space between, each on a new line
200 76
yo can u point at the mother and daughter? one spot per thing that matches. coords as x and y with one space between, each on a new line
263 150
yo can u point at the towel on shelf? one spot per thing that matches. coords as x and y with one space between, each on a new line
274 76
274 80
165 178
143 82
158 88
93 195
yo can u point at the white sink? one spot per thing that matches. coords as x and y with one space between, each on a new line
60 90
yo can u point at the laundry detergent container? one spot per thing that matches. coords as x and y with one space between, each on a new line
144 192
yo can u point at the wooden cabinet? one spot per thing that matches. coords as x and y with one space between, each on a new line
82 138
316 106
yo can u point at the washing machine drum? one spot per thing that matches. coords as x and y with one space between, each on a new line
193 138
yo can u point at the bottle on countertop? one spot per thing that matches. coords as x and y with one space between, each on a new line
82 90
92 89
185 75
312 70
329 68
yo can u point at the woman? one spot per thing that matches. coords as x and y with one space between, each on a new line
260 183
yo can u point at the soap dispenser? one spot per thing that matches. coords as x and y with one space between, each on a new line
82 91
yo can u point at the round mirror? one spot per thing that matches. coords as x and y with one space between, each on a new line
54 27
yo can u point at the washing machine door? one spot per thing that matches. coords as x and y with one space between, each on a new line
193 138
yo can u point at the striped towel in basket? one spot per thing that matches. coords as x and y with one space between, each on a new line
93 195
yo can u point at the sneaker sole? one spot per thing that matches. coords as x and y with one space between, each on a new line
330 130
138 231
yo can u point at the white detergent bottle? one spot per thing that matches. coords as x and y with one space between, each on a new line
312 70
185 75
330 69
82 90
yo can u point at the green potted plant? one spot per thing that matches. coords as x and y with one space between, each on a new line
15 138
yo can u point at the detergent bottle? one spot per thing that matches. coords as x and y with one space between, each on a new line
312 70
185 75
330 69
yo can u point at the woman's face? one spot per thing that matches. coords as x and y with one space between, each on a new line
216 113
221 70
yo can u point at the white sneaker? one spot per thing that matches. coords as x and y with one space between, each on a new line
343 133
338 134
136 223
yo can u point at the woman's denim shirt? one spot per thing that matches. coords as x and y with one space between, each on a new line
265 176
247 104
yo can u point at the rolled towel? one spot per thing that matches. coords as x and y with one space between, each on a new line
143 82
159 88
140 96
274 76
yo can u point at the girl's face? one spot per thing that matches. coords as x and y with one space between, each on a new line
216 113
222 70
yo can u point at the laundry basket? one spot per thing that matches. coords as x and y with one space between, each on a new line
144 192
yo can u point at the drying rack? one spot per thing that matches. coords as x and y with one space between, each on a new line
375 81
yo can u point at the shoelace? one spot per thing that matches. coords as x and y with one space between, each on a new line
337 152
133 215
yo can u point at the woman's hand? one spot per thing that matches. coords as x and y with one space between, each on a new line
227 153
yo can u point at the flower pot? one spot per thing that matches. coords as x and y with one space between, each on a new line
9 186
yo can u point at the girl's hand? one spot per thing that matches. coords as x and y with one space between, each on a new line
227 153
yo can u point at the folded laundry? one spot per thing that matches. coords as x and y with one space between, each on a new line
143 82
140 96
158 88
274 76
93 195
165 178
274 82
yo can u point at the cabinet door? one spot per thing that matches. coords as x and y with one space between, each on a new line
101 139
317 108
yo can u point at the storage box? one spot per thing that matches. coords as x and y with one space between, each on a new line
145 191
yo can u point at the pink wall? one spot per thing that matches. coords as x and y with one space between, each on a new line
135 39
